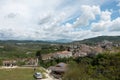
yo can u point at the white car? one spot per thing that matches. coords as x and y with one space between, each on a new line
37 75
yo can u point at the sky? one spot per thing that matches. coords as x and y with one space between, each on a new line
58 19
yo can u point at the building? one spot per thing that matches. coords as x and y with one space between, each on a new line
63 54
31 62
9 63
47 56
80 54
58 70
20 62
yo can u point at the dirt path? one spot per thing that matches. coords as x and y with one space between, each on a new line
2 67
48 76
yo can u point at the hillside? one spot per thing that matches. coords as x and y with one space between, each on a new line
17 48
25 48
94 40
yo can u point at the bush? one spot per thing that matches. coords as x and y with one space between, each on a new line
1 62
20 63
100 67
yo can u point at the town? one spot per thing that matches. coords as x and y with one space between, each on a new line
53 58
59 39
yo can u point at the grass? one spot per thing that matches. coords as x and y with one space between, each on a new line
19 74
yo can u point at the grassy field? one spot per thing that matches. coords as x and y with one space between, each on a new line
18 74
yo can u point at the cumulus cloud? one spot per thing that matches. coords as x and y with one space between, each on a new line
55 19
104 23
88 13
115 25
105 15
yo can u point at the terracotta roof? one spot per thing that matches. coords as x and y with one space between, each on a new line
63 52
57 69
61 67
61 64
47 56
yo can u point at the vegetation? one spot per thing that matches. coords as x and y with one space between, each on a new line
38 55
52 62
92 41
0 62
24 49
18 74
100 67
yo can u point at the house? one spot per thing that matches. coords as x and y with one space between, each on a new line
21 62
80 54
63 54
28 61
85 48
1 47
58 70
106 45
47 56
9 63
31 62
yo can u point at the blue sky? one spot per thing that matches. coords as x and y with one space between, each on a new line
58 19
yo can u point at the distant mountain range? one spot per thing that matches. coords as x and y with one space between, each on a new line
63 41
36 41
89 41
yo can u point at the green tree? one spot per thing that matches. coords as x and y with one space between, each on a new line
38 55
0 62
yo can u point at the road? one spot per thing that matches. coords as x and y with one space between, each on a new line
48 76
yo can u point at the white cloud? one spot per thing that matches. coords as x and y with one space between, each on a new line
88 13
100 26
104 23
115 25
47 20
105 15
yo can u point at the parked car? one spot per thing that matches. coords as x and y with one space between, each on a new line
37 75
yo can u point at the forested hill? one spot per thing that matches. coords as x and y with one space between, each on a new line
115 39
26 42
